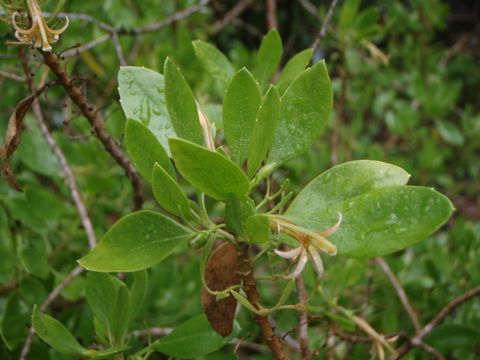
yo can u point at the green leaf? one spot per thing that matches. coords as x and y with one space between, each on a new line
269 56
120 315
208 171
381 221
305 108
33 291
55 334
257 228
237 210
193 338
262 138
214 61
169 194
142 99
13 322
344 182
293 68
100 293
145 150
450 336
33 256
138 292
240 108
135 242
181 105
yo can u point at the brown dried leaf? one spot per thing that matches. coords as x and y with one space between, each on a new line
221 273
12 139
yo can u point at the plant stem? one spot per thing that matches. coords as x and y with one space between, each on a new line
250 287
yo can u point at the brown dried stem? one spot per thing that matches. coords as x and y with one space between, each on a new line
303 316
326 23
97 123
250 288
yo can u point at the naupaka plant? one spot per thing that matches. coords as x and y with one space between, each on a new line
214 184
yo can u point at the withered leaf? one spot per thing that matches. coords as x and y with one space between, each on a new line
221 273
12 139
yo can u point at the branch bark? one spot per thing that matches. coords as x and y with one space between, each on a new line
250 287
97 123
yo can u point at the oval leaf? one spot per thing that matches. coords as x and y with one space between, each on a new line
181 105
214 61
381 221
168 193
208 171
346 181
262 138
145 150
55 334
135 242
304 111
142 99
240 108
269 56
293 68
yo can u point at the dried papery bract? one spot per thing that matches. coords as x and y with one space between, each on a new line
221 273
39 34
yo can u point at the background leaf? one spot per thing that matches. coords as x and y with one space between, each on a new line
293 68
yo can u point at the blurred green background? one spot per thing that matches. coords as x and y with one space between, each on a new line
406 79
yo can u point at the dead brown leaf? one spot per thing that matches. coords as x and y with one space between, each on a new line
221 273
12 139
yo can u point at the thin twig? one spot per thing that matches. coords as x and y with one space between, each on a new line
12 76
118 49
417 340
272 14
400 292
250 287
312 9
97 123
234 12
168 21
50 299
303 316
326 23
85 47
70 177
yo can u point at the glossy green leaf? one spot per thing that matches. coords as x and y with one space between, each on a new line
380 221
262 138
181 105
142 99
237 210
214 61
257 228
240 108
208 171
346 181
169 194
135 242
304 111
120 315
193 338
100 293
145 150
55 334
293 68
269 56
